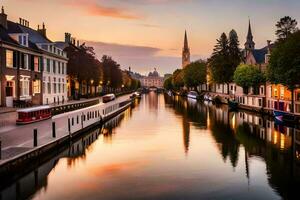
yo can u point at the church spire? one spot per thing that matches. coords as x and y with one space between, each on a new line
249 36
249 45
185 52
186 45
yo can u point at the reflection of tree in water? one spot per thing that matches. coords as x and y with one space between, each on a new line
283 173
224 136
191 112
108 129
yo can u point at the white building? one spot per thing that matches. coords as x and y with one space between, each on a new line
54 71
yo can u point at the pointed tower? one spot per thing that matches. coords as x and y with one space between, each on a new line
186 52
249 45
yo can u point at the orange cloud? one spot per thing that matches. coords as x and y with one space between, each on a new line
94 8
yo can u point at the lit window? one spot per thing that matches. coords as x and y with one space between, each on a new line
36 64
9 59
24 87
36 86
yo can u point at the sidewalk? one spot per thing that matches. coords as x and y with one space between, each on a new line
19 139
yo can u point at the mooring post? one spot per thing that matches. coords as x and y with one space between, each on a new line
53 130
35 137
69 126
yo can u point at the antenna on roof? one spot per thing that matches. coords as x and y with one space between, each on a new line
2 10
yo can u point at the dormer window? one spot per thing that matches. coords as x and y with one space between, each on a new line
23 40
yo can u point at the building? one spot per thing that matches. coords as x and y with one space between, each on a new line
152 80
186 55
73 85
48 82
20 65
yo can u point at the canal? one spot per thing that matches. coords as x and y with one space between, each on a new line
170 148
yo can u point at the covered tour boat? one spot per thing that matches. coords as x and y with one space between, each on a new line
34 114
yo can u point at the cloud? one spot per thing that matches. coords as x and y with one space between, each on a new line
94 8
141 59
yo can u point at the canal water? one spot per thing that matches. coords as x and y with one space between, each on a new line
171 148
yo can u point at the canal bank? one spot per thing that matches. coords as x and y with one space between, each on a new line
14 158
170 148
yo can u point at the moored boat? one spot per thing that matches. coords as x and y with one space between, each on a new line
34 114
233 104
193 95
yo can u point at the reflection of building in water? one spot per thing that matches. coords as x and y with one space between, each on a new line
152 101
186 134
37 179
108 129
267 130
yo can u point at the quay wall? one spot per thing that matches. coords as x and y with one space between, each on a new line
77 123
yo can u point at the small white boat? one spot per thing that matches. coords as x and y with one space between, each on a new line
207 97
193 95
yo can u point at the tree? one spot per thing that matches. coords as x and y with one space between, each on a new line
220 65
235 53
177 79
168 83
284 66
195 74
112 74
285 27
248 76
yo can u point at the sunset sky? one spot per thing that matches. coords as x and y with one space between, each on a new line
145 34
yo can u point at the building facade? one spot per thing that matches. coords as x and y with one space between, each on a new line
33 68
152 80
20 66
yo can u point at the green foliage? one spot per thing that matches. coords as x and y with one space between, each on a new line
168 83
284 66
248 76
112 73
225 58
195 74
285 27
177 79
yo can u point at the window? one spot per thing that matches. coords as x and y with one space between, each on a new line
48 65
24 87
26 65
9 59
59 85
54 66
9 89
281 92
36 86
24 40
36 64
62 68
59 67
275 92
54 85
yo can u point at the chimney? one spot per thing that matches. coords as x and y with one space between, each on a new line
78 43
67 37
42 31
3 18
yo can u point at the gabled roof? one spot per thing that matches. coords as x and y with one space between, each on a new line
5 37
260 54
34 35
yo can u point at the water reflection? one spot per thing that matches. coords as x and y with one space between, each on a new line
171 148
